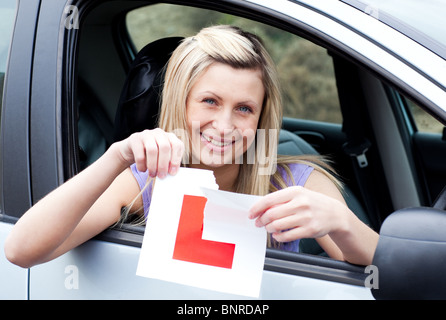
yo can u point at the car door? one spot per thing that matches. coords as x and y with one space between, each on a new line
17 24
105 267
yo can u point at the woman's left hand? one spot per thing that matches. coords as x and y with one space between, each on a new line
296 212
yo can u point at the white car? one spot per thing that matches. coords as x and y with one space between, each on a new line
364 82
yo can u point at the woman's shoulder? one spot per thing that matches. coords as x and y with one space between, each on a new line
295 173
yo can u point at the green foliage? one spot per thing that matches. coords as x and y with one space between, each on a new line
305 69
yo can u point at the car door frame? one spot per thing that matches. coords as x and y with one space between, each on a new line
95 256
55 274
15 195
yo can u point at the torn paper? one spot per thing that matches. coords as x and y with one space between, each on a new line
224 251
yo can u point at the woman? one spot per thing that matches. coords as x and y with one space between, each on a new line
220 90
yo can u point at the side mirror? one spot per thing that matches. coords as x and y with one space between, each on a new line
411 255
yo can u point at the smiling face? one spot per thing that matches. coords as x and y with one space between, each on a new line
223 110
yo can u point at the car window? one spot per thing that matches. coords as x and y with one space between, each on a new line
423 121
305 69
7 17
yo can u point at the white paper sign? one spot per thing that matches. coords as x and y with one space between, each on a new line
220 250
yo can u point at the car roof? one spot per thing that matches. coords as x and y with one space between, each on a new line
422 21
357 25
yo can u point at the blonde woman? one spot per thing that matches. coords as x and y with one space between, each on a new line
220 94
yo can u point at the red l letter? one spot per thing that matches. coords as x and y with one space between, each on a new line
190 246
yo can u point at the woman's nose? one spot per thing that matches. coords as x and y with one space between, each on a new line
223 122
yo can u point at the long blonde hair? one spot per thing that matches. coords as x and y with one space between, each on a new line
242 50
238 49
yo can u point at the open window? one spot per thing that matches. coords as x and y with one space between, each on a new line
113 32
425 140
306 69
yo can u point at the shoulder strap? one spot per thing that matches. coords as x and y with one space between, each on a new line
352 107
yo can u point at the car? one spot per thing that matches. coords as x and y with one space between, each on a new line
364 83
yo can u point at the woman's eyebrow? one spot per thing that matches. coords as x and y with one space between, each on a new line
207 92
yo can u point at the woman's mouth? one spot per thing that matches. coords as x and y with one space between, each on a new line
216 144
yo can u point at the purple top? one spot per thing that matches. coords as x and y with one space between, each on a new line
300 173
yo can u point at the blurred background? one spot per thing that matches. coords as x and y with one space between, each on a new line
305 69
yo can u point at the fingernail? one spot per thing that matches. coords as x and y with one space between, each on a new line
162 175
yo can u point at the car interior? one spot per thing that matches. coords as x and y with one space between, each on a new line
117 93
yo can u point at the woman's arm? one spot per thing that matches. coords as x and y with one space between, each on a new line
92 200
317 210
52 226
357 240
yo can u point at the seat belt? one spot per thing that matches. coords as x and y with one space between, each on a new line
357 144
93 107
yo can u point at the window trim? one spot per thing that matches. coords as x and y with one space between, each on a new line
15 195
403 27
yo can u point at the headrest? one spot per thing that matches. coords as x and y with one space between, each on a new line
140 98
411 255
292 144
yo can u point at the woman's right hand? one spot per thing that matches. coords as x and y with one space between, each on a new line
155 150
91 201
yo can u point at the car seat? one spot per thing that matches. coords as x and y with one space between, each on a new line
140 103
140 98
95 129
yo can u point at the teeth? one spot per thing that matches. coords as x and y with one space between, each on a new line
215 142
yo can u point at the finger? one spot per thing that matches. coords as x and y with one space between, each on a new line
139 156
151 154
276 213
283 224
176 154
290 235
273 199
297 227
164 153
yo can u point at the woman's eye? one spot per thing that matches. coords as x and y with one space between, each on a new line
245 109
209 101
